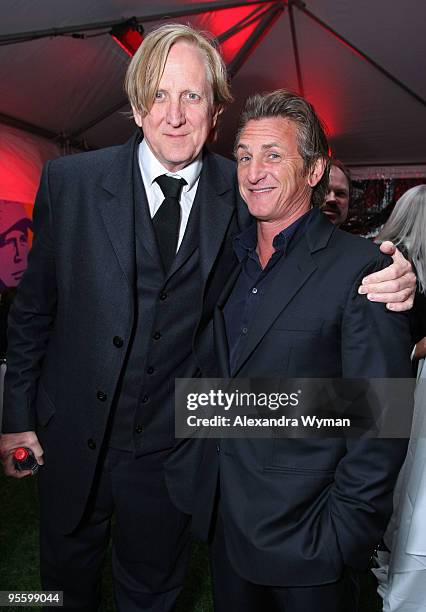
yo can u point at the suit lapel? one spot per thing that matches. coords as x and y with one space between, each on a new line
293 271
116 206
216 200
220 336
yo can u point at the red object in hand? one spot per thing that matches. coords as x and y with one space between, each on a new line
23 459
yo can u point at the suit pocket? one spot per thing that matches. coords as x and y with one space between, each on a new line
292 323
305 456
45 407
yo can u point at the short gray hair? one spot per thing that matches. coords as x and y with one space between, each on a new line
311 138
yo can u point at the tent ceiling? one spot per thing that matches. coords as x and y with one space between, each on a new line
73 86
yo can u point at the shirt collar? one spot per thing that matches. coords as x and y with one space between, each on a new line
151 168
283 238
246 242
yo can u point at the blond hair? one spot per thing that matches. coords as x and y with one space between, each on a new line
147 66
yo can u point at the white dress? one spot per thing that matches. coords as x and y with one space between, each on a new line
402 574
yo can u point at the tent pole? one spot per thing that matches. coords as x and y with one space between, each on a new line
295 49
301 6
193 9
123 102
271 15
25 126
243 23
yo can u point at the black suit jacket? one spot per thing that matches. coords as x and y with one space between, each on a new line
296 510
73 316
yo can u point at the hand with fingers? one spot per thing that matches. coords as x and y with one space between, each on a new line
11 441
394 285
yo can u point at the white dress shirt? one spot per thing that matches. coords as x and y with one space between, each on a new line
151 168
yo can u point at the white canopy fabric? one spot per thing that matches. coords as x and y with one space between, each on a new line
68 90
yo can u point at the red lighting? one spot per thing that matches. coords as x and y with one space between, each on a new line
219 22
128 36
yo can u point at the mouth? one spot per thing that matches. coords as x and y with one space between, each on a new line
261 190
330 212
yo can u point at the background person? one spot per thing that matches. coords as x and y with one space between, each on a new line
402 580
336 207
406 228
338 195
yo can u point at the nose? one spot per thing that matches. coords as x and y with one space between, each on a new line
330 197
175 113
17 257
256 171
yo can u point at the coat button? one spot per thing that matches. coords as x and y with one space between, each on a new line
117 341
150 370
102 397
91 444
163 297
157 335
145 399
139 428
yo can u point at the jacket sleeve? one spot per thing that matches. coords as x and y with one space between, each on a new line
31 319
375 344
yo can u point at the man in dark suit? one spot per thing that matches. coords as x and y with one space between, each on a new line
292 520
106 318
108 314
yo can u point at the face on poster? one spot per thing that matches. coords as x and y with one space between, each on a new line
15 228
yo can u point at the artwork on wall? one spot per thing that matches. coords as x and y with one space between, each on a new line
372 202
15 241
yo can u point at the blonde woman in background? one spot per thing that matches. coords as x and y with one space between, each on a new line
403 583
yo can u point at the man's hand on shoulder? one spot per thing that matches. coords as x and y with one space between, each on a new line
394 285
9 442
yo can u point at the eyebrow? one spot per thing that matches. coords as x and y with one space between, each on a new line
264 147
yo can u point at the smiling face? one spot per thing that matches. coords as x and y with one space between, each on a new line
271 178
336 203
182 115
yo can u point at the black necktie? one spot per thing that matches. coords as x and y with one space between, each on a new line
166 220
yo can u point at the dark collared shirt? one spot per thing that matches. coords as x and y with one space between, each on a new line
243 303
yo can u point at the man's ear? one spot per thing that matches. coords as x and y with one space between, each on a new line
137 116
316 172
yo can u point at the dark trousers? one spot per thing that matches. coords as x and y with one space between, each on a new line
232 593
150 540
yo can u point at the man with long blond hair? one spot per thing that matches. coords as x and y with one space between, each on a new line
109 315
